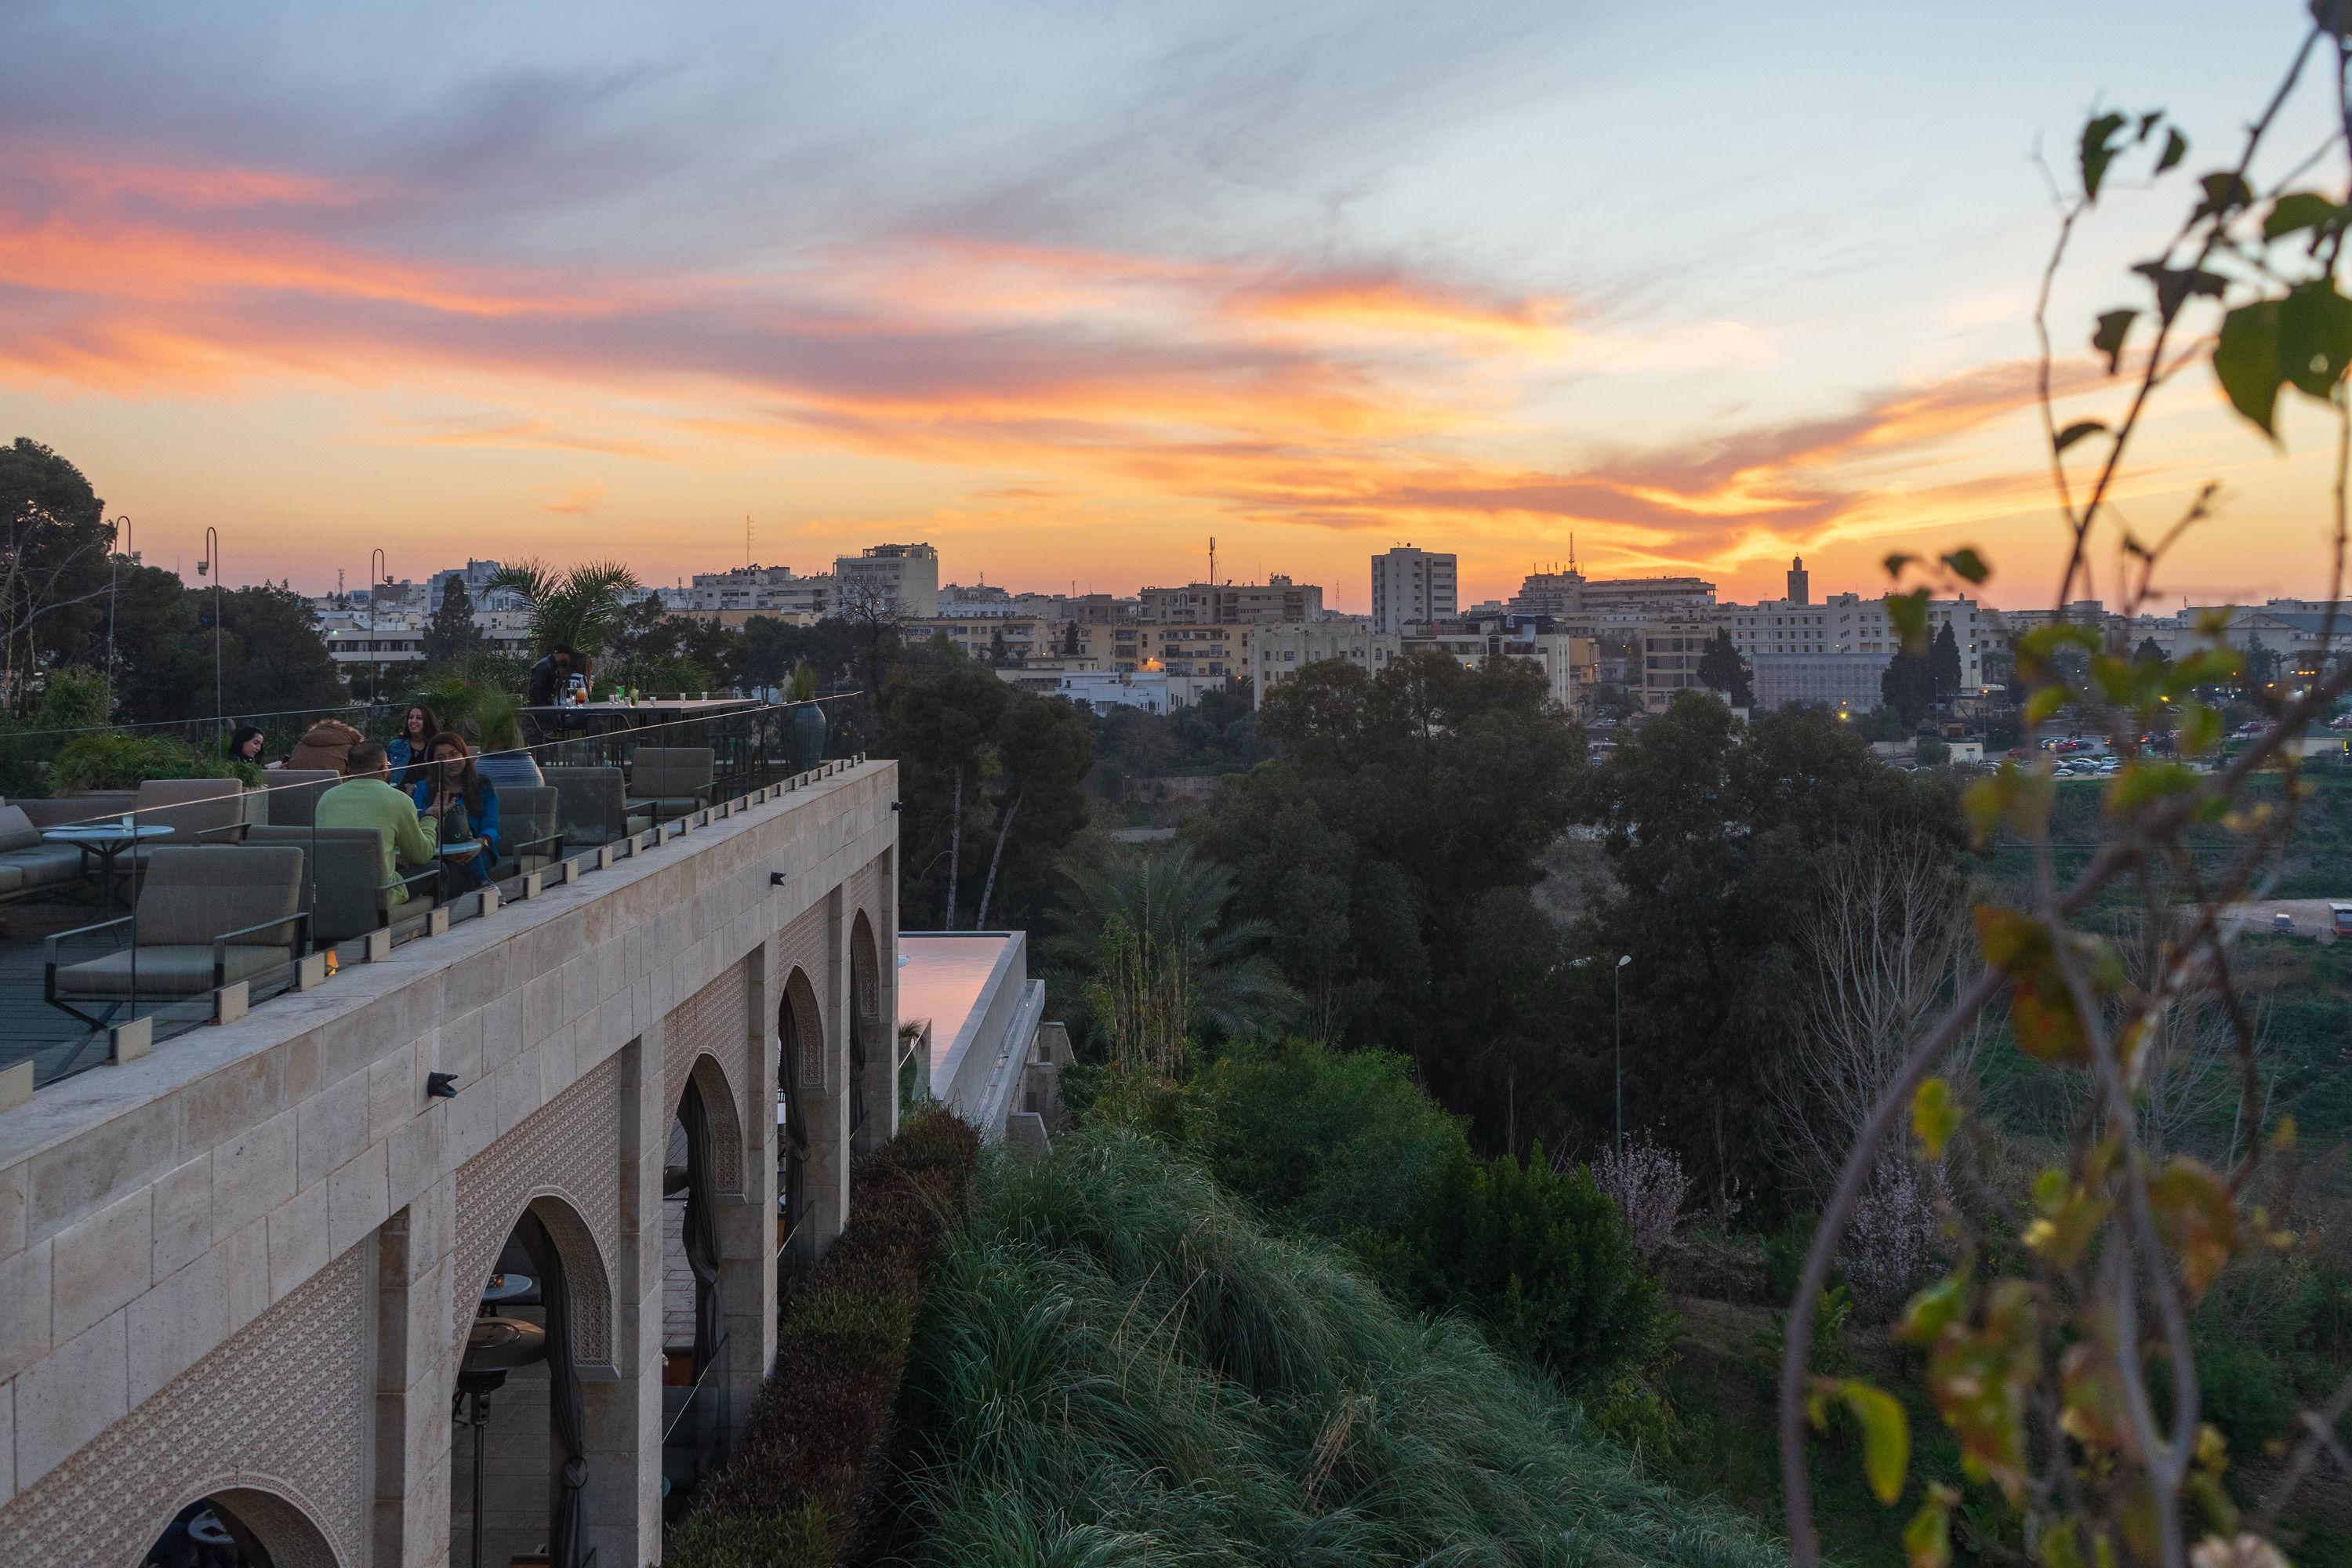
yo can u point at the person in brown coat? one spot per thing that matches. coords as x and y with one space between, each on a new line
327 745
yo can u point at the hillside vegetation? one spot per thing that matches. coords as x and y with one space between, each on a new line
1117 1366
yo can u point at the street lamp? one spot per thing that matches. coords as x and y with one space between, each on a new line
113 581
1617 994
1617 987
210 565
379 571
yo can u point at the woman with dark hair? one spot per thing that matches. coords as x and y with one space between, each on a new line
244 744
406 750
449 789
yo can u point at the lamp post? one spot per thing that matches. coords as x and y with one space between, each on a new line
113 584
378 573
1617 988
210 565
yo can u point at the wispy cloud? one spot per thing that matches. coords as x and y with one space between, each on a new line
575 500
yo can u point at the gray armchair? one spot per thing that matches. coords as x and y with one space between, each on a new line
207 916
591 807
670 780
293 795
530 818
343 889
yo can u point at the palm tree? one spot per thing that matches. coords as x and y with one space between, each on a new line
579 609
1146 926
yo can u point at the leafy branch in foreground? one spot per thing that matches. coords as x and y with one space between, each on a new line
2062 1364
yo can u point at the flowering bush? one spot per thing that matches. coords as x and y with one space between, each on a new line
1891 1246
1647 1185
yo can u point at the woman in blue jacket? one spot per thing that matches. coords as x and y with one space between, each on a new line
451 791
406 750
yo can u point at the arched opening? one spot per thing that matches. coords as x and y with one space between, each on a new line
694 1387
866 1035
240 1527
519 1459
800 1056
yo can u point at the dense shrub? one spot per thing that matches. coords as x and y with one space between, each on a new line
790 1494
117 759
1117 1366
1543 1259
1344 1144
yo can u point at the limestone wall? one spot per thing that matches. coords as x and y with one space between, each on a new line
161 1219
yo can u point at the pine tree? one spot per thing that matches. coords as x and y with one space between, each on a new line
451 634
1721 669
1943 664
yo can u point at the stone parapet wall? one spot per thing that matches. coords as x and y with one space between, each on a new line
153 1212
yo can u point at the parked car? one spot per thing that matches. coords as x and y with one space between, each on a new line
2282 923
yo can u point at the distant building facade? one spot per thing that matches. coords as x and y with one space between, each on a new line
1277 653
897 579
1412 587
1231 604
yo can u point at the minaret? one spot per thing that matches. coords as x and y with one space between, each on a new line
1800 591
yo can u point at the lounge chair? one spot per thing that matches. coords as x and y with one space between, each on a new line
593 808
530 819
342 886
670 780
293 795
207 916
31 867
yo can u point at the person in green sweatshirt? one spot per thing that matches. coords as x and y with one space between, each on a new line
367 799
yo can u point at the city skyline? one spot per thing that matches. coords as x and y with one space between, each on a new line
1067 306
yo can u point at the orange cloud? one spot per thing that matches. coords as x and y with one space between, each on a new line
1327 399
576 500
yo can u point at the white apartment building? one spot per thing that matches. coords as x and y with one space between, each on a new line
902 579
1471 643
1279 652
1850 623
477 575
1411 587
1152 692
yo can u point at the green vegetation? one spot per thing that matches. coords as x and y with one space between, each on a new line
794 1489
118 759
1543 1259
1119 1366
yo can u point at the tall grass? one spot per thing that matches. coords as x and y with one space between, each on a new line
1117 1366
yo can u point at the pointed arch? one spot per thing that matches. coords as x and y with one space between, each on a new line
867 1033
258 1513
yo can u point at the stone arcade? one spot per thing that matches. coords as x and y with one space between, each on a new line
243 1270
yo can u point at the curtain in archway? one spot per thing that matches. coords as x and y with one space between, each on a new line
793 1156
701 1226
567 1410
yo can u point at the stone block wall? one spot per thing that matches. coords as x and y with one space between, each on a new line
284 1180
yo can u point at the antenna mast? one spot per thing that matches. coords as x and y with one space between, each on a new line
1212 561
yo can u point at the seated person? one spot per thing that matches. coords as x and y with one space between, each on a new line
366 799
326 745
451 791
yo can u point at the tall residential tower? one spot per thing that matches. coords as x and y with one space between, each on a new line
1411 587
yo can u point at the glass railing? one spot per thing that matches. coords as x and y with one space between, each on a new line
694 1430
134 915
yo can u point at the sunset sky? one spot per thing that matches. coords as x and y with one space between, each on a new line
1066 289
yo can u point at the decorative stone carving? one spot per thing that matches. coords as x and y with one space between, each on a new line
276 1417
567 1149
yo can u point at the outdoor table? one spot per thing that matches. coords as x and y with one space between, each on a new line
507 1288
106 840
